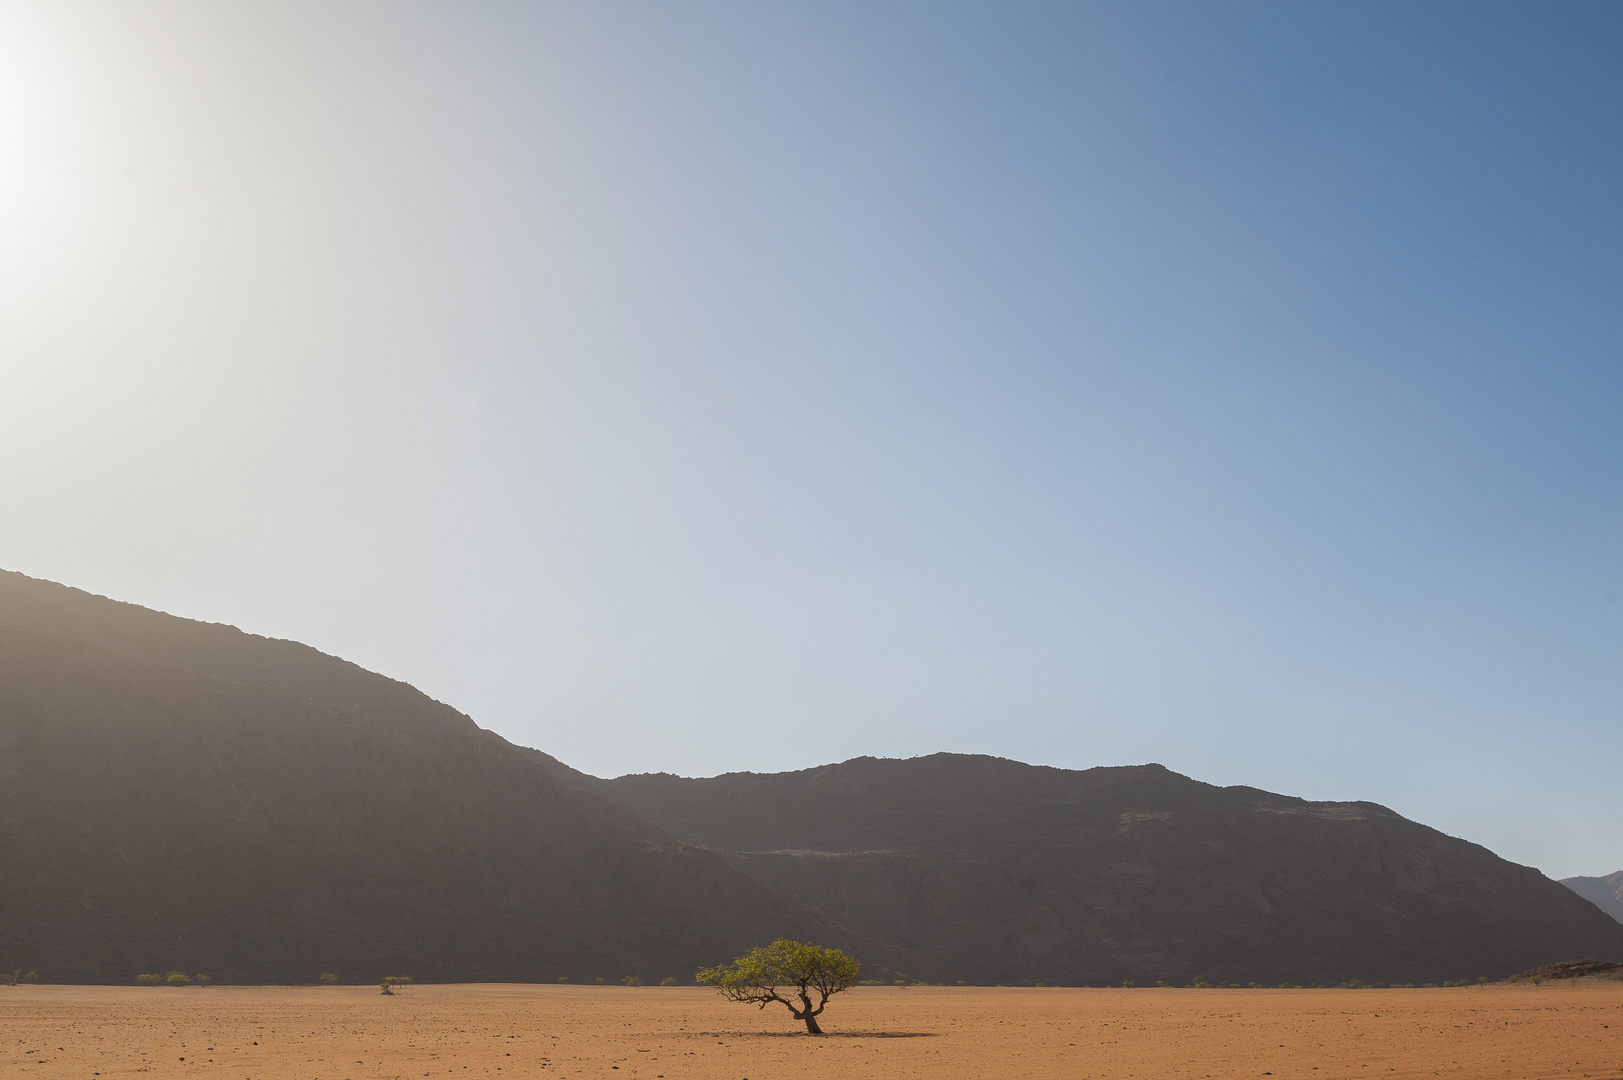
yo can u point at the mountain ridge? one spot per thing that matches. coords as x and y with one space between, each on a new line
1605 893
192 801
177 795
995 869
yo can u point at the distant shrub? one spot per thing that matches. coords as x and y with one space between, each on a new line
328 977
563 978
1235 986
391 981
1431 986
1040 984
177 979
598 980
1128 984
960 982
1378 986
149 980
902 984
1160 982
1257 986
1286 986
1200 983
1535 980
631 980
31 977
669 980
867 982
203 980
1482 980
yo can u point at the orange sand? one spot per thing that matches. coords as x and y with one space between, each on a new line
355 1033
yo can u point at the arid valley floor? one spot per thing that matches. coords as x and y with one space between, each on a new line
334 1033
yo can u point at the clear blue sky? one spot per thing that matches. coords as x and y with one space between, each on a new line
702 387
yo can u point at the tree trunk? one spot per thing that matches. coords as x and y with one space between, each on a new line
811 1024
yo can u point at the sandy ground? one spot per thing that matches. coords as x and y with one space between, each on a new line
354 1033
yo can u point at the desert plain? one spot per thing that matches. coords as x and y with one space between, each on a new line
684 1033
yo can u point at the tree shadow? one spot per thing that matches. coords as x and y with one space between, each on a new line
824 1035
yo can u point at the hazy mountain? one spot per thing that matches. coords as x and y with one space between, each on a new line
179 795
997 872
1605 893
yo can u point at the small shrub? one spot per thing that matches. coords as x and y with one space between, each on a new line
1160 982
1256 986
31 977
1536 980
1431 986
598 980
1200 983
203 980
177 979
1286 986
1128 984
669 980
902 984
329 978
563 978
149 980
631 980
867 982
960 982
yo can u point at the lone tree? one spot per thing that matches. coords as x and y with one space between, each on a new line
794 967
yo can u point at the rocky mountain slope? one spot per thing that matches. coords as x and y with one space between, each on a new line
1000 872
179 795
183 796
1605 893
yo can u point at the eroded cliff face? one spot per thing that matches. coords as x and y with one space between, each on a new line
180 796
1000 872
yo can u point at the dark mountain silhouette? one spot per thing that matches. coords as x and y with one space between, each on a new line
1605 893
183 796
180 795
994 871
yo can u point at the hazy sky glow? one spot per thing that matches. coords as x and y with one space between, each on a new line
698 387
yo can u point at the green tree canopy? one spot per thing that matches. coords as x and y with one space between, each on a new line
784 971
